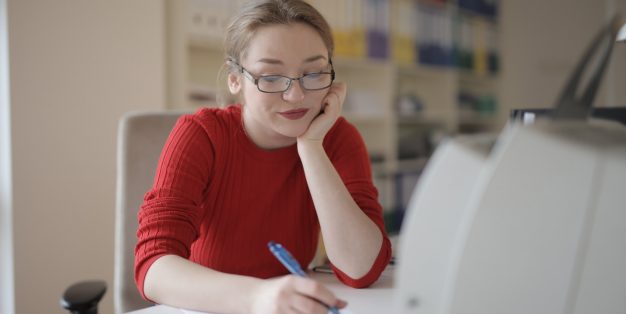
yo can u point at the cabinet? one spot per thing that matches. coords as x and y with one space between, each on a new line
416 71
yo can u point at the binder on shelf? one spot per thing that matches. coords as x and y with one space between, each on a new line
493 62
446 38
465 50
435 38
355 40
346 20
487 8
377 28
479 46
403 29
341 26
473 106
423 40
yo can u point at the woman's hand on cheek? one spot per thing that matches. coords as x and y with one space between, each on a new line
330 111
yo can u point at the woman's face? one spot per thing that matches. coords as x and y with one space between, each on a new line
274 120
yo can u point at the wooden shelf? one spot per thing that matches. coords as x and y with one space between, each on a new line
413 164
358 118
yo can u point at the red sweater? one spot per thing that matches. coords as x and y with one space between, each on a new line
218 199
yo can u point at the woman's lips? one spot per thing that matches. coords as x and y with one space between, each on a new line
294 114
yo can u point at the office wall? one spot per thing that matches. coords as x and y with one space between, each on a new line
76 67
541 43
6 228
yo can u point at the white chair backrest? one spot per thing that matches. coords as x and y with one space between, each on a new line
141 137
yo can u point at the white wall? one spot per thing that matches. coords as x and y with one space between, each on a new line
6 230
541 43
76 67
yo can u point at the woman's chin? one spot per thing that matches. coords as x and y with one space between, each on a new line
292 132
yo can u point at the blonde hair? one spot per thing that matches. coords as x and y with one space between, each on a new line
256 14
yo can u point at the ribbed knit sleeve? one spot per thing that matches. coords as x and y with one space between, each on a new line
170 215
349 155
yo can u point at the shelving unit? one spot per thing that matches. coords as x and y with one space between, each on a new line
400 103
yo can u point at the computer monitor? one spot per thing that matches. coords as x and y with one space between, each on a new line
535 224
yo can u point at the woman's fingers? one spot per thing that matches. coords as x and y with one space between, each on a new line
341 304
336 96
330 111
315 290
293 294
304 304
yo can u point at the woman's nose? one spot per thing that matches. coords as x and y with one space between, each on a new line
294 93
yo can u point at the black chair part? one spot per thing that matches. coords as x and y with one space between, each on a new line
83 297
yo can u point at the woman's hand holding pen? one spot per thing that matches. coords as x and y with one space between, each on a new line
293 294
330 111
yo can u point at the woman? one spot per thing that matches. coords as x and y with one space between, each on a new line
282 166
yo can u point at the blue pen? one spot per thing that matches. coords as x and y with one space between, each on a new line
291 264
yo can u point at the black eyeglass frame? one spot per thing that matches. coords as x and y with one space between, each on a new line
254 79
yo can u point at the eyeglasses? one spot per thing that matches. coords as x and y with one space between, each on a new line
280 83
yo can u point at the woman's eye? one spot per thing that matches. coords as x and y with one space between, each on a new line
312 75
271 78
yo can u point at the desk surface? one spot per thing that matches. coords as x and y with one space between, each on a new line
378 298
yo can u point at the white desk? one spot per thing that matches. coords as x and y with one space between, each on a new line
378 298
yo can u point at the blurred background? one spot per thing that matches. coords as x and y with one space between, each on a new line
418 71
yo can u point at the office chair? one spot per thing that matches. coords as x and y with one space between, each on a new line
141 137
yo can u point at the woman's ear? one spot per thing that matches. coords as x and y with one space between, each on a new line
234 83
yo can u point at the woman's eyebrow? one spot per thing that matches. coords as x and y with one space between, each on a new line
279 62
269 61
314 58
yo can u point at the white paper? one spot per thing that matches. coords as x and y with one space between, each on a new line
344 311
